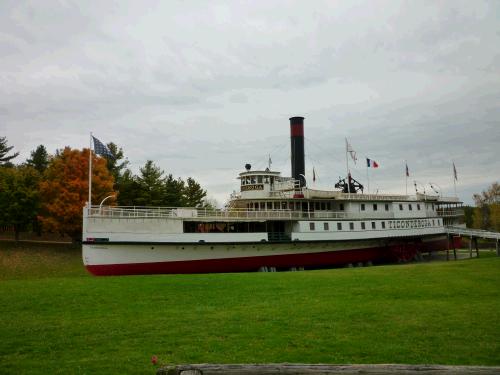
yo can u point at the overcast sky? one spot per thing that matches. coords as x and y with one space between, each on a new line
201 88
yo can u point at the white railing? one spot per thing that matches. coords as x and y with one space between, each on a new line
186 213
472 232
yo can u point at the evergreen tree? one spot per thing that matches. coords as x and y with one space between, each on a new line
151 185
39 159
129 189
469 216
19 198
4 150
174 190
116 164
193 193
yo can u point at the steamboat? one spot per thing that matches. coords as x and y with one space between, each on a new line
272 223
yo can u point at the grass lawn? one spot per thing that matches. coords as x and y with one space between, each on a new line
54 318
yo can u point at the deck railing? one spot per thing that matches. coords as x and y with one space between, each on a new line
232 214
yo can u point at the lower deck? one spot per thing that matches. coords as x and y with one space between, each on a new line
146 258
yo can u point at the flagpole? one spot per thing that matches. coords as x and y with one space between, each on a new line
347 167
455 178
90 171
367 175
406 174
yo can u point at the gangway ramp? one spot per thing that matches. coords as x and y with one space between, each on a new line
473 235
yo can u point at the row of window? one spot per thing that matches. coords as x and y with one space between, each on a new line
294 206
386 206
326 226
318 206
251 180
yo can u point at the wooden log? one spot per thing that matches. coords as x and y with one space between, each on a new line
303 369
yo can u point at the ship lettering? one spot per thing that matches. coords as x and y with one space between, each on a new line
252 187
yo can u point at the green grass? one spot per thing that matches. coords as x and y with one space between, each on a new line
437 312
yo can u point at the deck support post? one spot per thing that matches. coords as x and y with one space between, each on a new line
454 250
448 248
470 247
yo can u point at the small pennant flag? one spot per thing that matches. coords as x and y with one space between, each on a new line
455 172
101 149
314 175
351 151
407 171
371 163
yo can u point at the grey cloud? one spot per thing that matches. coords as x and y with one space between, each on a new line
208 87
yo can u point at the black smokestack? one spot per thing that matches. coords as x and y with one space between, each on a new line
297 143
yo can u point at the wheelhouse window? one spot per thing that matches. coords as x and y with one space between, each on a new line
339 226
311 226
373 225
400 207
375 207
259 179
351 226
418 206
387 207
410 207
383 224
363 226
325 226
362 206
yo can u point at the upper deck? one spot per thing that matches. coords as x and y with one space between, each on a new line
249 215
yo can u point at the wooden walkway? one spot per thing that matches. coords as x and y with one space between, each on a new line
473 235
303 369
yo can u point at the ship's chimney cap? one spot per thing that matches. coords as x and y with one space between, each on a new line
297 118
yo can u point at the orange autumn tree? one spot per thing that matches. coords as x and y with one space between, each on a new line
64 190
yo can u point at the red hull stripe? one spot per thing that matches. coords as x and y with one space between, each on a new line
246 264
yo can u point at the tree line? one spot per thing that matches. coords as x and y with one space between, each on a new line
47 192
486 213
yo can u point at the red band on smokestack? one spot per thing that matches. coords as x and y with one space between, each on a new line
297 130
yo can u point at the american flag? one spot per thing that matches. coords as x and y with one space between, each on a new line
455 172
407 171
101 149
